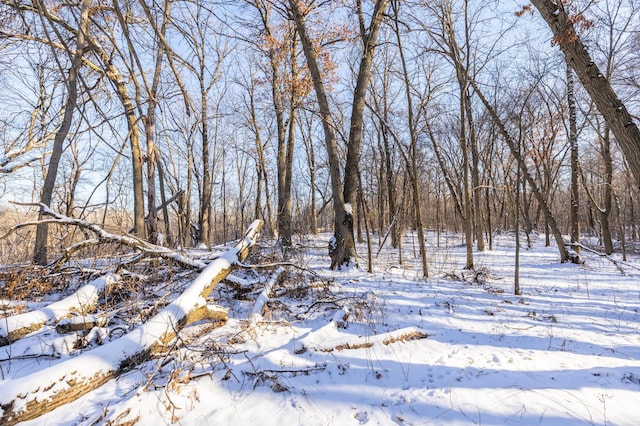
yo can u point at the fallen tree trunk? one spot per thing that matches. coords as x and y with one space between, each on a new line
40 392
82 301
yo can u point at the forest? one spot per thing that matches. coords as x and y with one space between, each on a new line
184 184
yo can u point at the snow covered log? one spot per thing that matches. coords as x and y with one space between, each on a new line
82 301
38 393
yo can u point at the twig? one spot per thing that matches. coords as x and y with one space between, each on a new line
293 371
30 356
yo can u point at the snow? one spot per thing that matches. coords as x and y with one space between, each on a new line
348 209
392 348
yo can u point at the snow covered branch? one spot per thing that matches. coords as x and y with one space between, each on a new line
36 394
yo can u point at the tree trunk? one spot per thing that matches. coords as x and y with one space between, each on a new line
284 199
573 143
475 176
261 168
605 211
472 146
468 209
185 201
632 214
387 187
365 218
354 146
391 188
42 231
342 247
414 149
204 213
516 278
285 146
456 56
311 158
150 133
286 168
163 198
595 83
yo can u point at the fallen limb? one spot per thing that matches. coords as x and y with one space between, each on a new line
280 264
103 236
36 394
82 301
615 262
340 341
263 298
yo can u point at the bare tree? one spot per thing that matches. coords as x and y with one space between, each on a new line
204 58
593 80
342 248
412 165
564 255
42 231
573 146
262 175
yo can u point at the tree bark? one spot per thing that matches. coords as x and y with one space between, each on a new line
342 246
477 223
285 157
150 133
354 147
475 176
573 142
456 57
165 203
468 209
128 105
204 212
604 210
307 139
595 83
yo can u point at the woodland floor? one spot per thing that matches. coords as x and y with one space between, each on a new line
348 347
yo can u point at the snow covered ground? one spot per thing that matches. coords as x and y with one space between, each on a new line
347 347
